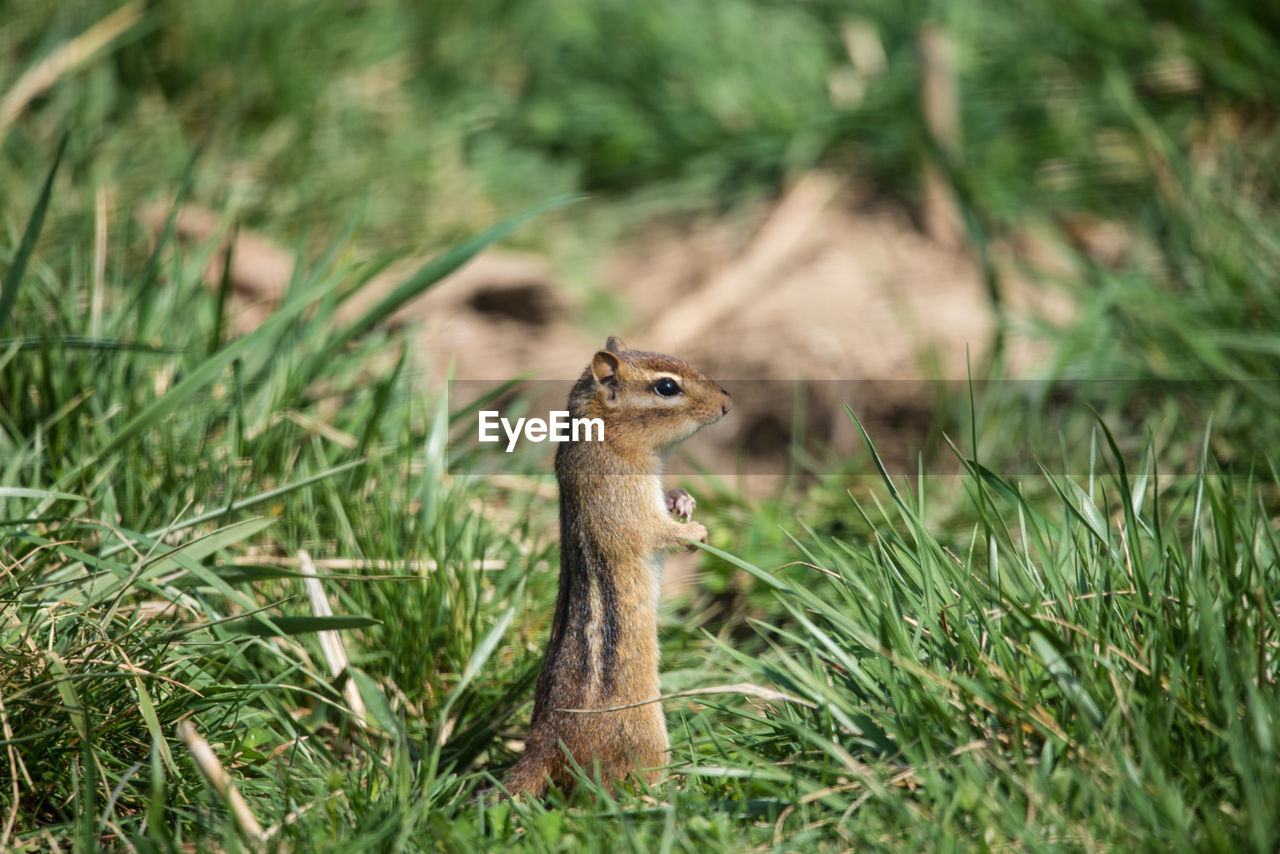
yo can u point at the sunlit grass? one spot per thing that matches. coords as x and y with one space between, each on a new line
1082 656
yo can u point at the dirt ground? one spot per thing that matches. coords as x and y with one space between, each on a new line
827 286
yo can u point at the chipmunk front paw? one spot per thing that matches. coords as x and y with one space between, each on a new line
680 504
695 531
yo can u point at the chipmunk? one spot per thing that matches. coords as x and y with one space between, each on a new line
615 527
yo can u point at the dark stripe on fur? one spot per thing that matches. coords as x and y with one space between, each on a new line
608 632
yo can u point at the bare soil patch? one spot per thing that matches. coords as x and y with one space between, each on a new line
827 285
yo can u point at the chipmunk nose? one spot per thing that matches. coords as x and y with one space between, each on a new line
727 404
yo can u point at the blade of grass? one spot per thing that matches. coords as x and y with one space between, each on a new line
201 376
12 279
298 625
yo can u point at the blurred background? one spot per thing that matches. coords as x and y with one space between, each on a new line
776 190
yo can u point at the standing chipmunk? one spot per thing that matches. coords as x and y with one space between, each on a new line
615 527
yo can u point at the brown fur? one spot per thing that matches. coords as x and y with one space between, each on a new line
614 529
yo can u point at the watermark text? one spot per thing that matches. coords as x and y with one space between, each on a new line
558 428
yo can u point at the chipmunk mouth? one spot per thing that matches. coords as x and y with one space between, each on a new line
727 404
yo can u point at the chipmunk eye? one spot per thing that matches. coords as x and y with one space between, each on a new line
666 387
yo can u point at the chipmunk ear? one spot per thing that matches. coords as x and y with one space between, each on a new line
615 345
604 367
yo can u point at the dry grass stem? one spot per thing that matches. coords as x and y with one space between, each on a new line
744 688
207 761
335 652
45 73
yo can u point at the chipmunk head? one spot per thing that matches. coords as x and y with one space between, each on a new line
649 399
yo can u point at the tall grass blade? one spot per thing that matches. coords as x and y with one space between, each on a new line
12 279
201 376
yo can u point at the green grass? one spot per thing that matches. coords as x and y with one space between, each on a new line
1080 672
1082 656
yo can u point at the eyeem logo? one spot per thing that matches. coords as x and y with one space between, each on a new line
560 428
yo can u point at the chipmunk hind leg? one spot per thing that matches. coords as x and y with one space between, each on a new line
528 778
537 771
638 746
